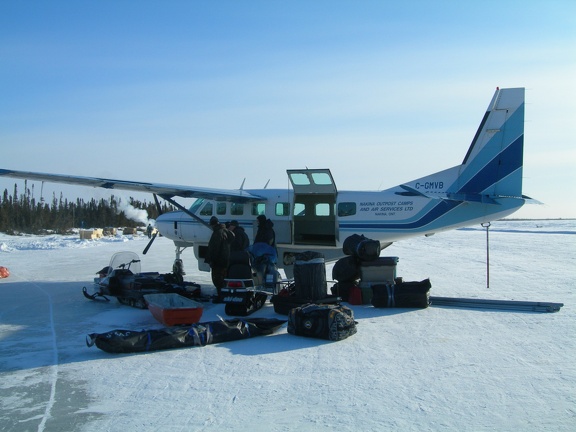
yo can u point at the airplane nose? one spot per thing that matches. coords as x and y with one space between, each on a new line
170 225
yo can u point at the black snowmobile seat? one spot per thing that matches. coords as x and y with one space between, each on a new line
239 267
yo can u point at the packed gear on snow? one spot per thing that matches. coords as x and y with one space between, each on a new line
310 276
331 322
309 286
201 334
342 290
286 300
123 279
402 295
346 269
363 248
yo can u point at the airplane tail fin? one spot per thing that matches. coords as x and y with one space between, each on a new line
492 167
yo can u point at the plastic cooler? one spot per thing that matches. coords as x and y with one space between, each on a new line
382 269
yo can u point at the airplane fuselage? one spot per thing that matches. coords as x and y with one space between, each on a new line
322 222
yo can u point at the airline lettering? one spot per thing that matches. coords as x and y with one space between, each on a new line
386 208
430 185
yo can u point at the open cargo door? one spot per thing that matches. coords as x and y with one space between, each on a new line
314 207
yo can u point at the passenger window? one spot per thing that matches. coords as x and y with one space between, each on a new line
236 209
282 209
322 209
207 209
258 209
221 208
346 209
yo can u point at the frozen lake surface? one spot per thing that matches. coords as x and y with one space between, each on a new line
434 369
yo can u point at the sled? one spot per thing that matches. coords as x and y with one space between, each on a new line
173 309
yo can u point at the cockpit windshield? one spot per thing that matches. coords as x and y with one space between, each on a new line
196 205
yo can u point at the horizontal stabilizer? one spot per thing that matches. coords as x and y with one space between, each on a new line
460 197
410 191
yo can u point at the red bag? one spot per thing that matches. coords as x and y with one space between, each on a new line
355 295
4 273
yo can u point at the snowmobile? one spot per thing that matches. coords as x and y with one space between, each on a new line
123 279
252 277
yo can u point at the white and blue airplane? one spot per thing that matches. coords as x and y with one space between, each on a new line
313 215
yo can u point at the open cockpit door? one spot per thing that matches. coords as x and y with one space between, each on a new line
314 214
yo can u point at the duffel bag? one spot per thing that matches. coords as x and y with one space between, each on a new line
402 295
331 322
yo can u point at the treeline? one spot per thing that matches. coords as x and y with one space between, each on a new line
23 213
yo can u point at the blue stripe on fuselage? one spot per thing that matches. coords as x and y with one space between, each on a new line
438 211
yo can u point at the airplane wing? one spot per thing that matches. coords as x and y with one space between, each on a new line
163 190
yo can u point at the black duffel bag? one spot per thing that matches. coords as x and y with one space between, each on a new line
346 269
363 248
331 322
402 295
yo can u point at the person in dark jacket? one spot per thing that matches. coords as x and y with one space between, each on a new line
219 254
265 233
241 241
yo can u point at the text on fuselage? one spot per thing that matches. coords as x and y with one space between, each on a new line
386 208
430 185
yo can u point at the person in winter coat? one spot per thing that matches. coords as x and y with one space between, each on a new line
219 254
265 233
241 241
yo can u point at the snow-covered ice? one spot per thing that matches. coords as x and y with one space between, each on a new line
434 369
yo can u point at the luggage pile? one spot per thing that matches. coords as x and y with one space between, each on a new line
309 286
364 277
331 322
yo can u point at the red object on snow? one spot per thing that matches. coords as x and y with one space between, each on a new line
4 273
173 309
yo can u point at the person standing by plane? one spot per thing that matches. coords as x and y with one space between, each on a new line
219 254
265 233
241 241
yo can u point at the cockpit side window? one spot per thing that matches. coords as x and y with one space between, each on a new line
207 210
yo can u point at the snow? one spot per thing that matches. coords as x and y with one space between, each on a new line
434 369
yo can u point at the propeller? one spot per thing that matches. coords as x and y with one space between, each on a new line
150 243
156 233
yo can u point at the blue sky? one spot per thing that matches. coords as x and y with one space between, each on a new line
211 92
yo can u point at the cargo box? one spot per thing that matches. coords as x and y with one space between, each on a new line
379 270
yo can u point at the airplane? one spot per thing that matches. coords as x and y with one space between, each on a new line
313 215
